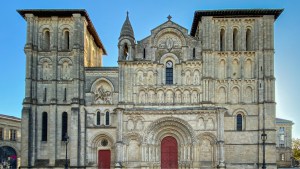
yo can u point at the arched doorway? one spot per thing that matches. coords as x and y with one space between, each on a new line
8 156
169 153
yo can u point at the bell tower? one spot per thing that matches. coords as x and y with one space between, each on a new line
126 43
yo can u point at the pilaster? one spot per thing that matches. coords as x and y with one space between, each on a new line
74 136
119 143
52 135
220 142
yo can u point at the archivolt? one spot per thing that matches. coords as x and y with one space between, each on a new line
169 126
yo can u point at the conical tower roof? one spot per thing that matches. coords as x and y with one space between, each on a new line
127 28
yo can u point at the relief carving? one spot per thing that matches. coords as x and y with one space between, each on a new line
169 42
46 71
65 71
103 93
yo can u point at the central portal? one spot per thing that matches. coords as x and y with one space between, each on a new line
169 153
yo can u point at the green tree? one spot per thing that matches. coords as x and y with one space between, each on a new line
296 148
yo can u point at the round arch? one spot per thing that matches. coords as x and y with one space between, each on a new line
169 126
169 56
9 154
96 82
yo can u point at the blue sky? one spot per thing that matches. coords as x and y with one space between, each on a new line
108 17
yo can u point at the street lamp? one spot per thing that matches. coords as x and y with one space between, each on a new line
264 138
66 142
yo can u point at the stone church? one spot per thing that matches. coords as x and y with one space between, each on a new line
178 99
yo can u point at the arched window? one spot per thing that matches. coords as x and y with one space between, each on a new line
239 122
144 54
46 40
44 126
169 72
64 126
66 40
65 94
222 40
194 53
125 51
235 39
45 95
107 118
98 118
248 40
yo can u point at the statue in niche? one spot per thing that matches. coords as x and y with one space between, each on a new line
102 95
139 125
150 80
130 125
196 79
210 124
194 98
161 97
65 71
201 124
150 97
140 78
186 97
187 79
178 97
206 150
235 95
46 71
142 97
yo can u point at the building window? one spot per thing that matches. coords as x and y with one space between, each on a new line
64 126
13 135
281 130
222 40
44 126
125 51
66 40
194 53
45 95
107 118
65 94
248 40
169 72
144 54
46 40
98 118
235 40
1 134
239 122
282 157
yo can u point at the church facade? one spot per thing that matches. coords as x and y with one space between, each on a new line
178 99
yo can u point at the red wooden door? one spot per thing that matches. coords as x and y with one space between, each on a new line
169 153
104 159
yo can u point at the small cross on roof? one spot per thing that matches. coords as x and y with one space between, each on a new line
169 17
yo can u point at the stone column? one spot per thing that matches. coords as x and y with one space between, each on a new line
26 136
74 137
221 138
119 143
52 135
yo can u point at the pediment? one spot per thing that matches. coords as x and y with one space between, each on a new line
169 24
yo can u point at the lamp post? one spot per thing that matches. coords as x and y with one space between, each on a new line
66 142
264 138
